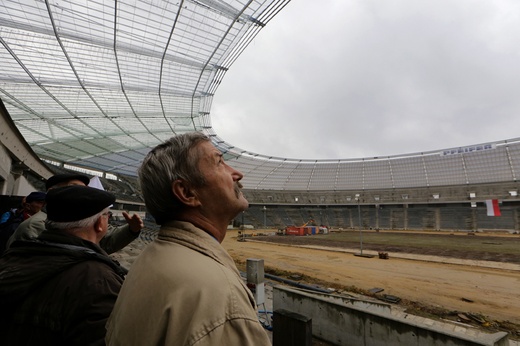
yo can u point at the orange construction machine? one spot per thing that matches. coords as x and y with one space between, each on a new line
302 230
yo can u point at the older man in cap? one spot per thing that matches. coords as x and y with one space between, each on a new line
31 205
117 237
184 288
34 203
59 289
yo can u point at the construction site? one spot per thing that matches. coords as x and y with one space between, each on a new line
413 247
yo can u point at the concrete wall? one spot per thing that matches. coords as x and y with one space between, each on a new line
22 187
347 323
5 168
12 182
17 157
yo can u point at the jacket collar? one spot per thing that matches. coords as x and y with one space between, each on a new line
56 236
188 235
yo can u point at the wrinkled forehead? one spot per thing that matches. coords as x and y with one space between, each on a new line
206 151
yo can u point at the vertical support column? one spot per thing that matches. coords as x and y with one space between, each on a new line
377 217
405 216
474 219
515 220
437 219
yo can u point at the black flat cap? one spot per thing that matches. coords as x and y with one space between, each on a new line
35 196
75 202
60 178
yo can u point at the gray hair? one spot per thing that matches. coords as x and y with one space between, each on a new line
167 162
74 225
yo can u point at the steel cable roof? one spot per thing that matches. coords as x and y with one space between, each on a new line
97 83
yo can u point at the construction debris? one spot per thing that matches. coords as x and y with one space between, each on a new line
376 290
391 299
383 255
462 317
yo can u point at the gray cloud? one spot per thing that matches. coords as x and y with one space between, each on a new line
350 79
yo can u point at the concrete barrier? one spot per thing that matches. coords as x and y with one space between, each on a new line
342 323
291 329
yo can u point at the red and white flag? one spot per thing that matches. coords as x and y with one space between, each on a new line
492 207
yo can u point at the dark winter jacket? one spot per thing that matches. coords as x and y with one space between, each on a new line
8 227
56 290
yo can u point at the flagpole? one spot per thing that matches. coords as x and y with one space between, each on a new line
360 231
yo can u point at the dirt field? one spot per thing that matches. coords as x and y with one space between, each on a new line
486 296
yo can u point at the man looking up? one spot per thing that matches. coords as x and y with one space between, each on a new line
59 289
184 288
117 237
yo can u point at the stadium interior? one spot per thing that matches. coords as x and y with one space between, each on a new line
89 86
59 113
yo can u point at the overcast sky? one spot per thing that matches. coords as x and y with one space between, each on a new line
363 78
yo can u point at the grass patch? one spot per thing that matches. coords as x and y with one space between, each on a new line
460 241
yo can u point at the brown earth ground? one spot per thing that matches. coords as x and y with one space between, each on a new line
468 290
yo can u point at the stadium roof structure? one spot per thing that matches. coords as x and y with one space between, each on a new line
98 83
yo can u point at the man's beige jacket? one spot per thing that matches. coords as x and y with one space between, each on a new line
184 289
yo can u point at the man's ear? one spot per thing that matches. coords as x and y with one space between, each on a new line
182 190
97 225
